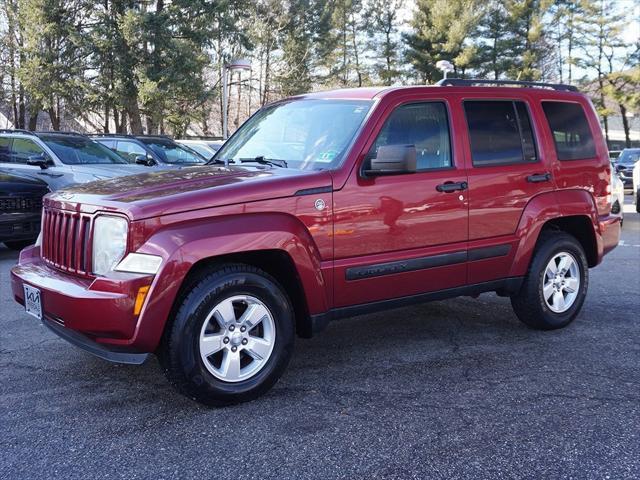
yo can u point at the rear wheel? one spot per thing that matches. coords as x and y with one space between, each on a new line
232 336
638 201
19 244
556 284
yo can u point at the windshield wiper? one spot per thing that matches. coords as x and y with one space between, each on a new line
263 161
216 161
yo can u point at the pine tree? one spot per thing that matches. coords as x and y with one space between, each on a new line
384 40
442 30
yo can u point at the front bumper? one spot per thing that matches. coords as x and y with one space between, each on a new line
96 314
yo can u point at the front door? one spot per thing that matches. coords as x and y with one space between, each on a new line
400 235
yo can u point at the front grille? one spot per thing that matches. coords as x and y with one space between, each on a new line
66 240
20 204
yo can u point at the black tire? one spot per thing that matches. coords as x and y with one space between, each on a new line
179 352
19 244
638 201
529 303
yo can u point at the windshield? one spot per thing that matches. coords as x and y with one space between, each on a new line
309 134
203 150
170 152
80 150
629 157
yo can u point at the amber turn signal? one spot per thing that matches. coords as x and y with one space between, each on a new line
142 294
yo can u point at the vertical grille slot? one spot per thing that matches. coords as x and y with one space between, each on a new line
65 241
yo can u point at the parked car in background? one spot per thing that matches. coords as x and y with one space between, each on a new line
151 150
20 208
61 158
206 148
636 186
617 194
614 154
624 166
444 191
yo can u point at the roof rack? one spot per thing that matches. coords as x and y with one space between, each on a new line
55 132
128 135
17 130
463 82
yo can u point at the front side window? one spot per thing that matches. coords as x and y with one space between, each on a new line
130 150
570 129
22 149
173 153
309 134
423 125
73 150
500 132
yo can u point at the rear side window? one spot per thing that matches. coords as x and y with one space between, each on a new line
500 132
5 153
571 132
424 125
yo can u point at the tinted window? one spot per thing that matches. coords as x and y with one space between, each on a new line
500 132
570 129
424 125
130 150
80 151
22 149
5 153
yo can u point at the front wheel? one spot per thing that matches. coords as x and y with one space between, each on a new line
232 336
556 284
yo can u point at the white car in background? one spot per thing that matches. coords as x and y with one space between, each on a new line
636 186
617 192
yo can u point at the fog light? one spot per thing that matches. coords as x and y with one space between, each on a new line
142 295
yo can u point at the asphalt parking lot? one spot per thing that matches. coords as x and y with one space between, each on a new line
450 389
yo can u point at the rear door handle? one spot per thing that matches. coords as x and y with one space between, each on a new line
452 186
539 177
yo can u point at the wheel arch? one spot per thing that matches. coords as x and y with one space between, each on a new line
570 211
276 243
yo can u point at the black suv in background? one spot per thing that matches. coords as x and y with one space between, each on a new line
20 208
151 150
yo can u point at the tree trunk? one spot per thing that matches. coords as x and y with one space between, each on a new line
34 109
625 126
55 120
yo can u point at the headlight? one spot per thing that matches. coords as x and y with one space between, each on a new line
140 263
109 243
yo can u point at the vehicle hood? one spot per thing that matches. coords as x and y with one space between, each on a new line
166 192
109 171
15 183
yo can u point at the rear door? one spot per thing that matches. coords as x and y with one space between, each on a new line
506 169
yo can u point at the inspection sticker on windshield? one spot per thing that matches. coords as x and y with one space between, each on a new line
326 157
32 303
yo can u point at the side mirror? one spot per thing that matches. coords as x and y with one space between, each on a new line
393 160
40 160
144 160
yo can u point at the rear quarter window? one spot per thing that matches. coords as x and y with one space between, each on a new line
570 129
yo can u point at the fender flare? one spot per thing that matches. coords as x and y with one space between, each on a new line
184 244
549 206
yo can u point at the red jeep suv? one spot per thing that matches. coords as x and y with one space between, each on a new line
324 206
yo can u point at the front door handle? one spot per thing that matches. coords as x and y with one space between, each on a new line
539 177
452 186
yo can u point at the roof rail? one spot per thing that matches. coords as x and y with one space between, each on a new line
17 130
463 82
55 132
128 135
